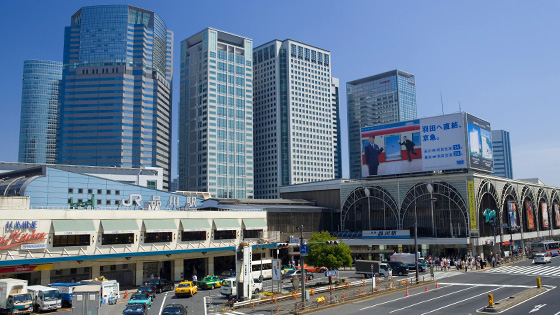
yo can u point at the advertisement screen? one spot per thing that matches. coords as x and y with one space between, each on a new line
512 215
427 144
544 209
530 219
479 136
557 211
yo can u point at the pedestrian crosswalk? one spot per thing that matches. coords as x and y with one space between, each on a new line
235 313
534 270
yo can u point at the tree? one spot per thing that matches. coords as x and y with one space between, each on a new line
330 256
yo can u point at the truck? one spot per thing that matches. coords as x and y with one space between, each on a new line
109 289
14 298
408 259
370 268
66 290
44 298
86 300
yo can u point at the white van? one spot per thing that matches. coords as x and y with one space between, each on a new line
229 287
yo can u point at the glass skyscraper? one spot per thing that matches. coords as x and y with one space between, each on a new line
380 99
216 114
39 111
297 122
502 153
116 89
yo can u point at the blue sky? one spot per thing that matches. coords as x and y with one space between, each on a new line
498 60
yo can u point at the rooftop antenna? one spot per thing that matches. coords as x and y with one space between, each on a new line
441 97
460 106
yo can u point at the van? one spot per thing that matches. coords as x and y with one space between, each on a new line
399 268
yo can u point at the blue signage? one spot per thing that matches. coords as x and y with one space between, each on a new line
13 225
304 250
330 273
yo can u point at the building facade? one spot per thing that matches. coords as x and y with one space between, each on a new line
216 114
39 111
297 130
380 99
502 153
116 89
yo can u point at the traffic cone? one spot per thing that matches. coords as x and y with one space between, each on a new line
426 288
407 292
437 285
306 279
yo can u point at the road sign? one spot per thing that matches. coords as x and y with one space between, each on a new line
371 266
330 273
304 250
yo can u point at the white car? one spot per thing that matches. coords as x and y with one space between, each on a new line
541 258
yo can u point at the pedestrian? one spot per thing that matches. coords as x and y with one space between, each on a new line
152 276
194 279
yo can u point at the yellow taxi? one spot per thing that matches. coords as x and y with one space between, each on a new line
186 288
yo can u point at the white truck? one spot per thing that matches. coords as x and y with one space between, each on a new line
229 287
408 259
14 298
109 289
44 298
370 268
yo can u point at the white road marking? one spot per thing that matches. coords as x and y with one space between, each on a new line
162 303
537 308
490 285
400 309
461 301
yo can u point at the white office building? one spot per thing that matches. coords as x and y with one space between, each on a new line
216 115
296 116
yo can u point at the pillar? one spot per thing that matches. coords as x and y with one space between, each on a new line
139 271
95 270
178 270
45 277
210 266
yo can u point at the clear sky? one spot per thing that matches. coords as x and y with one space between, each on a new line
498 60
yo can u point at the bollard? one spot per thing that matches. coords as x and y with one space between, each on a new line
538 282
490 300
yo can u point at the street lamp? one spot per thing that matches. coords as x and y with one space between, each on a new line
416 241
367 193
430 189
300 228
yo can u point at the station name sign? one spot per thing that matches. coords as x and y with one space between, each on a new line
386 234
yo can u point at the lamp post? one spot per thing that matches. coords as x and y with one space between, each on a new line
416 242
430 189
300 228
367 193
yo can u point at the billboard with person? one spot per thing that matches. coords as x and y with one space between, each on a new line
480 143
530 215
544 214
512 211
420 145
557 212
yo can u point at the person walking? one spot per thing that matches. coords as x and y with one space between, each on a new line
194 279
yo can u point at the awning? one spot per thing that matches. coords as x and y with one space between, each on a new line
190 225
227 224
73 227
119 226
254 224
155 226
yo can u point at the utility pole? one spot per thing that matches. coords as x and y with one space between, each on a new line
303 278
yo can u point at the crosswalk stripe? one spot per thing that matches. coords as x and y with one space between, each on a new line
552 271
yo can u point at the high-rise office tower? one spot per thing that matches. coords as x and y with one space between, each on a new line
116 89
39 111
296 118
335 100
216 114
502 153
380 99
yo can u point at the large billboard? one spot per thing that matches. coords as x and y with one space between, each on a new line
427 144
480 144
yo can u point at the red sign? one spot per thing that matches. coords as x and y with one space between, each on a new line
19 238
411 83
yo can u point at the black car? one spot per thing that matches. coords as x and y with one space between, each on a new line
162 285
399 268
174 309
228 274
149 290
135 309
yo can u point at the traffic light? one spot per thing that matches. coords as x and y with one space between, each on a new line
333 242
282 245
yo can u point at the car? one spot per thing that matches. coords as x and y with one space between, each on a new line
162 285
210 282
135 309
290 274
174 309
141 298
399 268
187 288
541 258
228 274
149 290
313 269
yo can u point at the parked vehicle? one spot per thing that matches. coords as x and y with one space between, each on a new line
541 258
229 287
162 285
228 274
44 298
187 288
141 298
210 282
291 273
86 299
370 268
149 290
109 289
174 309
66 290
408 259
14 298
135 309
399 268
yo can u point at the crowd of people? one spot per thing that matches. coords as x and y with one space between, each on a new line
464 263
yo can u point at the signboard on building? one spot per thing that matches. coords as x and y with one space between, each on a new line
427 144
386 234
18 235
472 206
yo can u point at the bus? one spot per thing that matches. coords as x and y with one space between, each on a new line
266 268
549 248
